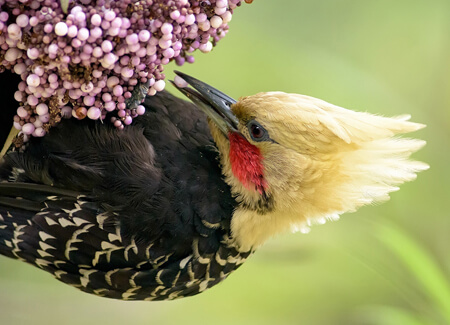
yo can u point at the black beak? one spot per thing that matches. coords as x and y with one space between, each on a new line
215 104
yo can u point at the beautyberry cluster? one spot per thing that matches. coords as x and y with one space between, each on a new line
85 58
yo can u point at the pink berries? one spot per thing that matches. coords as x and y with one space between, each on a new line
100 56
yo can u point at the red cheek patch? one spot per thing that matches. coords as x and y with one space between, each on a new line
246 163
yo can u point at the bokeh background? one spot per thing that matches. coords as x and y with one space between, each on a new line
386 264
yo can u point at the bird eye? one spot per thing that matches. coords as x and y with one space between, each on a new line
257 132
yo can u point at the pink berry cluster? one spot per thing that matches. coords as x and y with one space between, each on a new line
85 58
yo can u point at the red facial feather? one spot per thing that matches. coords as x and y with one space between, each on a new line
246 163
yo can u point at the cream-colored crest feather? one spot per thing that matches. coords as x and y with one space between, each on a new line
324 161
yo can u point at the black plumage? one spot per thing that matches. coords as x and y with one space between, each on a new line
141 213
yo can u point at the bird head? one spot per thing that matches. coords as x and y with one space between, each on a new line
293 160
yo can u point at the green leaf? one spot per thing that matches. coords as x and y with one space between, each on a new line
64 5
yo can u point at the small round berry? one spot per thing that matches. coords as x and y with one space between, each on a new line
61 29
93 113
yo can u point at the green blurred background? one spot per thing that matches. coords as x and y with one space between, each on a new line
386 264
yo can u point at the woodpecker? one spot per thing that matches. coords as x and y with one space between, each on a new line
175 202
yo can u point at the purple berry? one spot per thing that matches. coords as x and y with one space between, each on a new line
95 52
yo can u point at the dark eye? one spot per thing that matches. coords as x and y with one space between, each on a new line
257 132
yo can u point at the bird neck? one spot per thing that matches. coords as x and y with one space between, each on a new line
251 228
243 170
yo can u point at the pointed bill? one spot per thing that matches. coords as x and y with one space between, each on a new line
215 104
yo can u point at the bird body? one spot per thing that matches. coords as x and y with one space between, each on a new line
146 213
172 204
